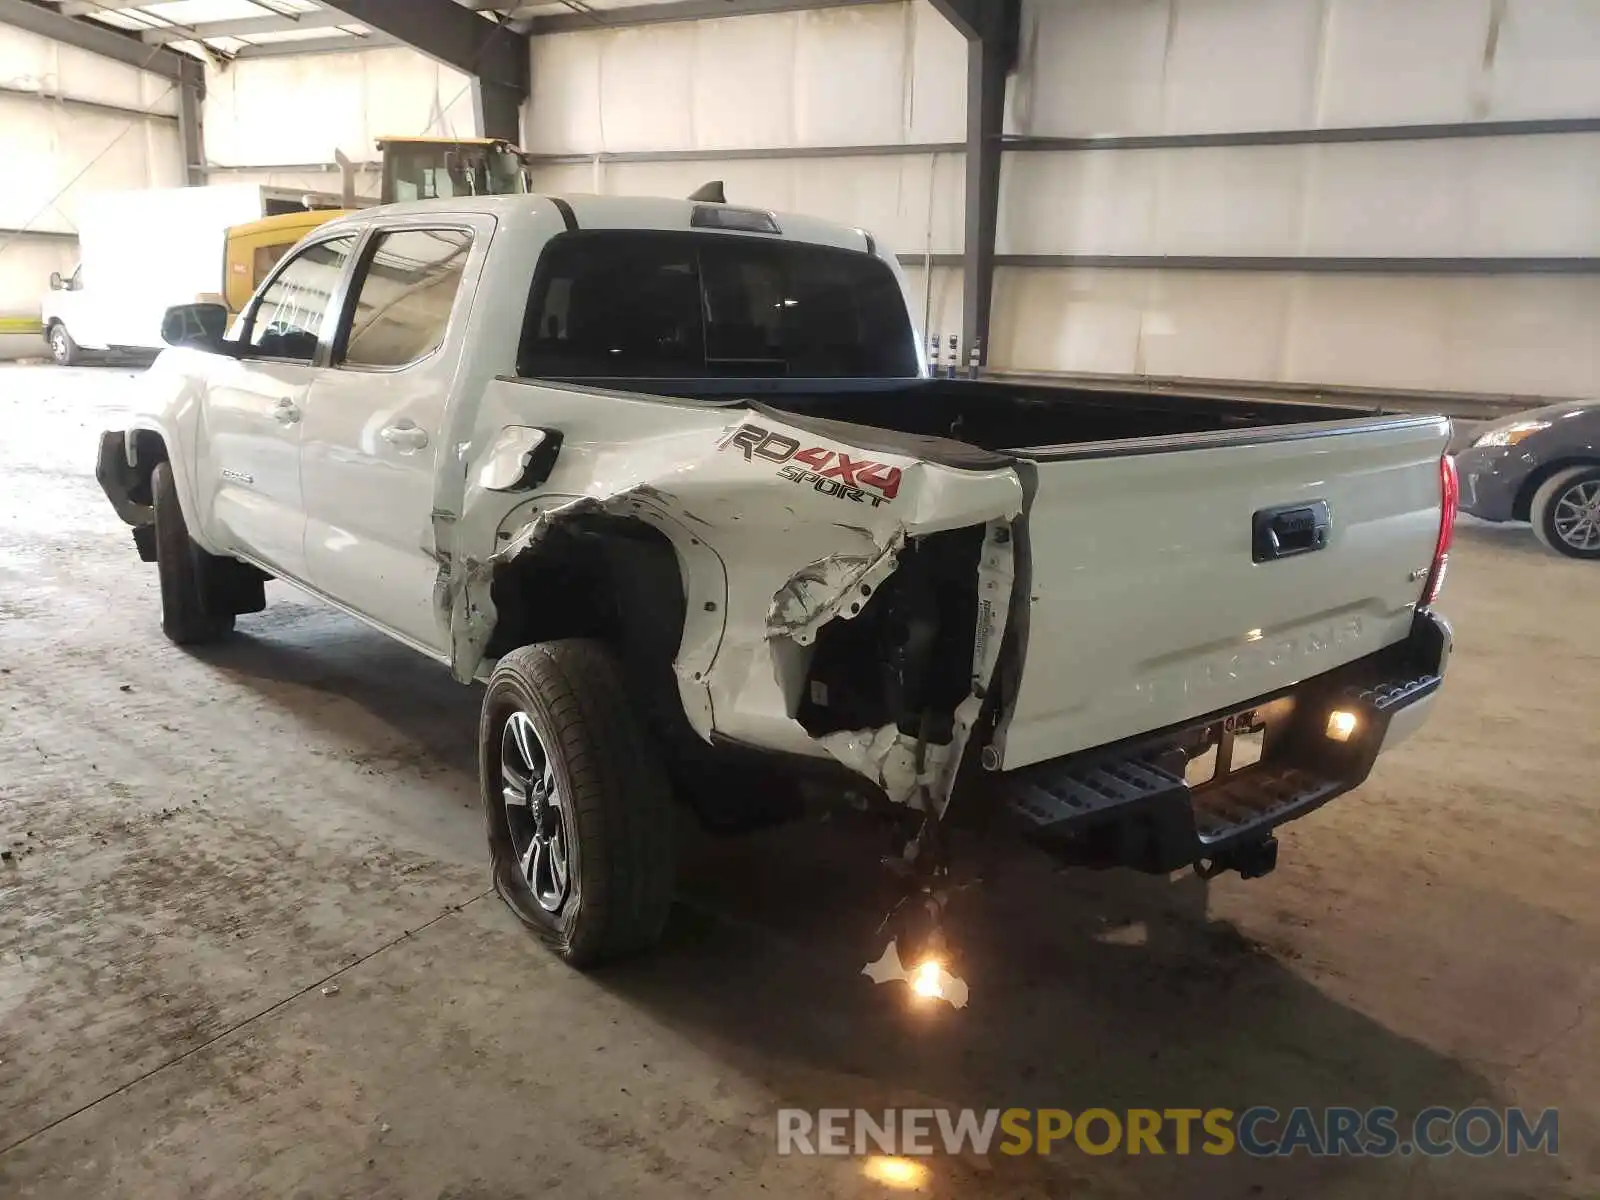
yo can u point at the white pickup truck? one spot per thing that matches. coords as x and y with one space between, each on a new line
672 477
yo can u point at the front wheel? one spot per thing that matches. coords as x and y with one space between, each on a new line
577 802
1566 512
189 614
63 349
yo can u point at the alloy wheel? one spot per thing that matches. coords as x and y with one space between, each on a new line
1576 515
536 813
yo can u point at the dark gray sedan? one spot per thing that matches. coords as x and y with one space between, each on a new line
1541 466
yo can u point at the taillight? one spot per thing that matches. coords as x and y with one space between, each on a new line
1449 505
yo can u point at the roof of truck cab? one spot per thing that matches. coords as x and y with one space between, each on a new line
609 212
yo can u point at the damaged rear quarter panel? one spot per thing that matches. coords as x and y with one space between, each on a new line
775 529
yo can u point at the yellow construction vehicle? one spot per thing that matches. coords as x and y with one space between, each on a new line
413 168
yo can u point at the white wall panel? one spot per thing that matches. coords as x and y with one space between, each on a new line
38 64
262 111
889 195
1241 64
1072 203
938 78
1518 335
1068 320
563 112
1547 60
879 74
1465 197
1192 66
58 154
368 180
749 97
1090 67
1392 63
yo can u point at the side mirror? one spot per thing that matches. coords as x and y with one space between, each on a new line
57 284
200 325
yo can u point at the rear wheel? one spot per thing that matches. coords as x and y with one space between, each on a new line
187 618
63 349
1566 512
577 803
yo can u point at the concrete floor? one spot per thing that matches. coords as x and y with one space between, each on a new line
203 843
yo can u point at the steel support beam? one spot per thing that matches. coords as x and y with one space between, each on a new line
337 44
112 110
659 14
1317 264
495 55
245 27
191 135
92 36
992 28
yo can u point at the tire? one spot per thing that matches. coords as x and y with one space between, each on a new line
1558 508
63 349
186 617
612 810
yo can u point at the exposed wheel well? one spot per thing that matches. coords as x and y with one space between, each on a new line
617 580
1522 508
614 579
148 449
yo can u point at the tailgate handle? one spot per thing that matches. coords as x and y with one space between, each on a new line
1292 529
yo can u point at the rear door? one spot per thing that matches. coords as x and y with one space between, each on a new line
374 433
1157 596
255 406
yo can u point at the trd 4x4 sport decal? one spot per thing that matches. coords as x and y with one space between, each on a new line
831 472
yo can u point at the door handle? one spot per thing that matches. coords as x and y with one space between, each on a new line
404 435
285 411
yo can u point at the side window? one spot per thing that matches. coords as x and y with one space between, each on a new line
288 319
404 296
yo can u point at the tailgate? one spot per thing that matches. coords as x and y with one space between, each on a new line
1148 607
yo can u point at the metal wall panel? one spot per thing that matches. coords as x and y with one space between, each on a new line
1451 198
47 145
1517 335
36 63
1387 63
880 74
297 110
912 203
1195 66
1546 60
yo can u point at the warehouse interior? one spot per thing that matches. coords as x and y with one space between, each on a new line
248 944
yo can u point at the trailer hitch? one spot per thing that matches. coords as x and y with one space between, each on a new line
1252 860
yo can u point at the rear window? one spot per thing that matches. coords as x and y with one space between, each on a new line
628 304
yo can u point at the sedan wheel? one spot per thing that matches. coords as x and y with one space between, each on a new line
1566 512
1577 516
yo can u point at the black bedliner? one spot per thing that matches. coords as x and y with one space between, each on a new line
989 415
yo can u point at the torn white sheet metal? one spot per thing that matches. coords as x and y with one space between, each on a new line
889 758
837 586
777 530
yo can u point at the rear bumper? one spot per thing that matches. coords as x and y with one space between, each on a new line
1131 806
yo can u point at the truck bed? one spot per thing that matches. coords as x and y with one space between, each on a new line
1151 594
996 416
